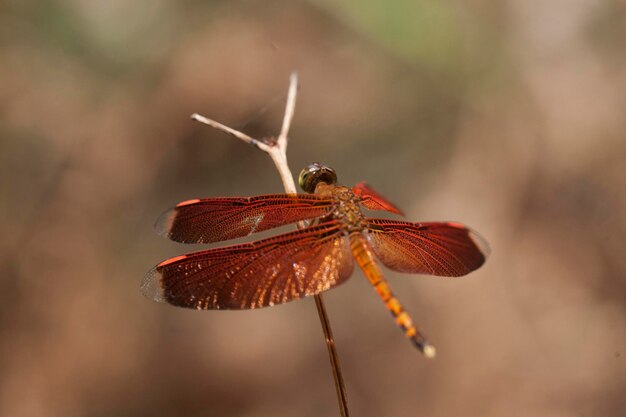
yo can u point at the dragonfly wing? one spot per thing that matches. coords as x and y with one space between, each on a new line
258 274
217 219
443 249
372 200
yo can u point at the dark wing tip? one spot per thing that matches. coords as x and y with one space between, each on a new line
171 226
480 242
483 250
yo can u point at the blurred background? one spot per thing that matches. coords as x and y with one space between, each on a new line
505 115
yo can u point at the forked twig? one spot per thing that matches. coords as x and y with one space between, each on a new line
278 152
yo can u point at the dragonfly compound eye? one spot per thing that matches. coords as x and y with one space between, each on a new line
314 174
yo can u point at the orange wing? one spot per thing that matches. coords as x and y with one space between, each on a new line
258 274
372 200
223 218
444 249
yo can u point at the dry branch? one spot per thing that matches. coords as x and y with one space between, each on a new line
278 152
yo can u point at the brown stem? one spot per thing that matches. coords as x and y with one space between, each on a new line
278 152
334 358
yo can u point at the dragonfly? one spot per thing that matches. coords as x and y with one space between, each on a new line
307 261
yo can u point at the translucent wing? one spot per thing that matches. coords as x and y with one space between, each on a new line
217 219
258 274
372 200
444 249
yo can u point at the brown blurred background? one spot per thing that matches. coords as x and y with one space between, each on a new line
508 116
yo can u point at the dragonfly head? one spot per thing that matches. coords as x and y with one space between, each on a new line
314 174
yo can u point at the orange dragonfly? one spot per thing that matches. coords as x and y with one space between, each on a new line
308 261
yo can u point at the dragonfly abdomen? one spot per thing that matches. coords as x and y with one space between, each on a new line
365 258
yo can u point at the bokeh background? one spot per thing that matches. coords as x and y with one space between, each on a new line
505 115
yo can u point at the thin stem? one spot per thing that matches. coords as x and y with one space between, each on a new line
278 152
290 109
239 135
334 358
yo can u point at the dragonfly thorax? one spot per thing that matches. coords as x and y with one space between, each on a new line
346 208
